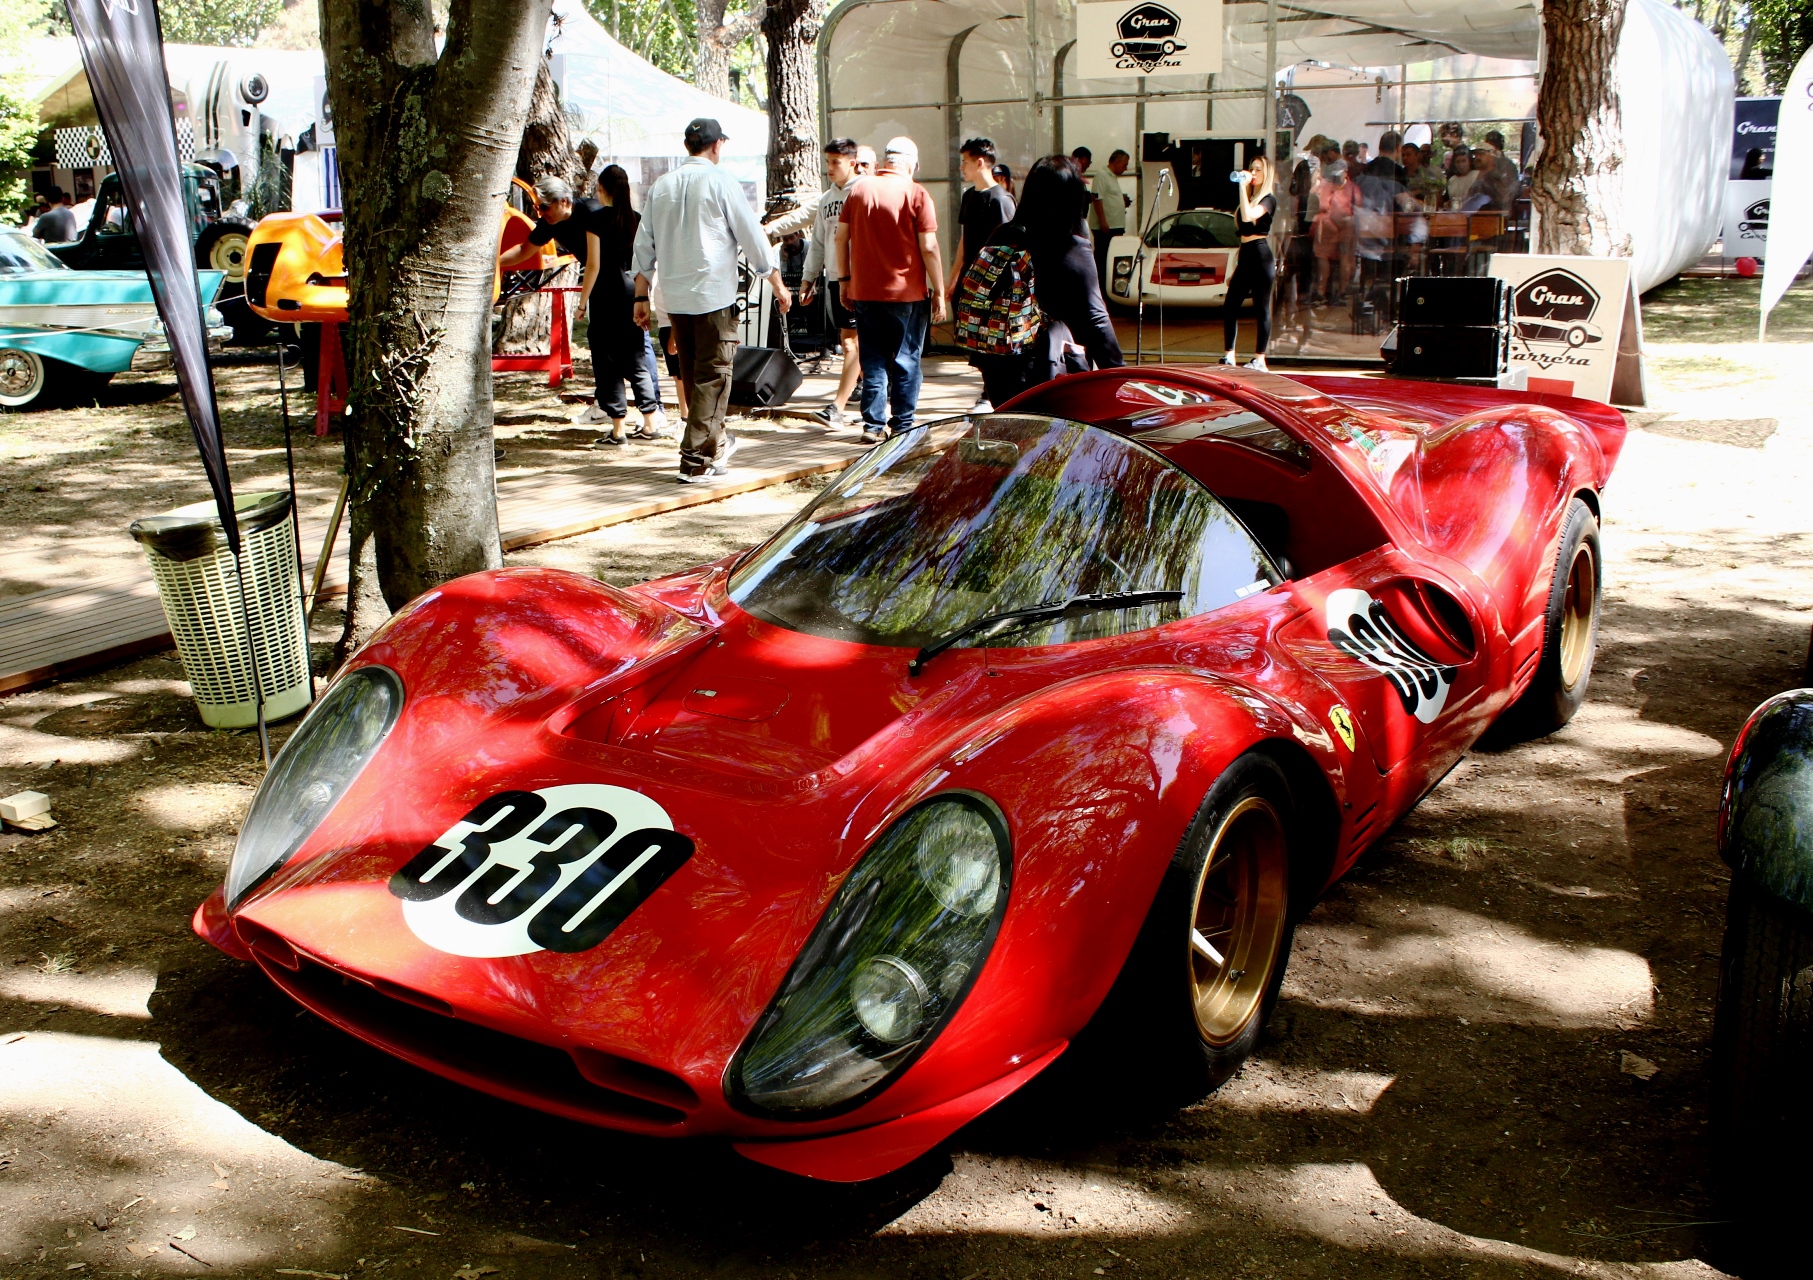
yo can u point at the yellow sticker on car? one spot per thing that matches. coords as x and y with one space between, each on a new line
1343 724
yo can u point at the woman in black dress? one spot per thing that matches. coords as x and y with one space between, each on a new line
1255 270
620 350
1048 223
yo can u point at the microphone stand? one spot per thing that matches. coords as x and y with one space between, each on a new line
1139 275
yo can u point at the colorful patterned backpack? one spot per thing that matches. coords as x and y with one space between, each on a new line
997 314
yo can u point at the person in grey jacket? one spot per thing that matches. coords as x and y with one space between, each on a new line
845 169
694 222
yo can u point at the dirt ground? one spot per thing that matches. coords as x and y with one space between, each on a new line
1445 1089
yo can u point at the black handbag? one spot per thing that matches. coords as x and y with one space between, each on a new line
763 377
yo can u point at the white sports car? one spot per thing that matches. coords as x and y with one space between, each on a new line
1189 257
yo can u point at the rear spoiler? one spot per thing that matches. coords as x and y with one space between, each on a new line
1448 401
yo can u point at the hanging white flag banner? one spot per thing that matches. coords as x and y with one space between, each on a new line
1145 38
1790 237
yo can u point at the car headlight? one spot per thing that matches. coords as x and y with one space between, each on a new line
330 747
887 966
1123 268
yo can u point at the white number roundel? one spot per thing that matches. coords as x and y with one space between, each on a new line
550 870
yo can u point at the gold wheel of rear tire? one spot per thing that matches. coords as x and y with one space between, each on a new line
1579 616
1238 921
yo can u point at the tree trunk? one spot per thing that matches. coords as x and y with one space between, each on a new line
717 37
791 29
426 149
1578 186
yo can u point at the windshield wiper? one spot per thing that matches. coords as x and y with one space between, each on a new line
1075 607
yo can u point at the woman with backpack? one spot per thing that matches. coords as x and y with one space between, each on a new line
1040 253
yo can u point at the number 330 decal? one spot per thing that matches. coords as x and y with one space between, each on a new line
550 870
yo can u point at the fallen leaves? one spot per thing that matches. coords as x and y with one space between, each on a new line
1631 1065
470 1272
187 1233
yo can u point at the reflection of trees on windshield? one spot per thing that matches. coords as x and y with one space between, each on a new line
931 535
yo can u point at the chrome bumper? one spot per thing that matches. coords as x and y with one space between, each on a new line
153 354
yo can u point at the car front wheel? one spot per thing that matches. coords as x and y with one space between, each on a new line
1570 632
24 379
1195 994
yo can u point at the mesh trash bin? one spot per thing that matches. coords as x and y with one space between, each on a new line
199 586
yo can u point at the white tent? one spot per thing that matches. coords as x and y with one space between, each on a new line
943 70
636 112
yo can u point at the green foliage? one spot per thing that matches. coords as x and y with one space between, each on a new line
20 20
1784 31
229 22
666 33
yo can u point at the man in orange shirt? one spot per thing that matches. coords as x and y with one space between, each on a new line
887 244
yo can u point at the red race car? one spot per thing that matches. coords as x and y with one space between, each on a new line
1049 720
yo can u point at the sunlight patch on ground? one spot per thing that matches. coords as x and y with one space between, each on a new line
28 746
123 992
204 806
1345 1205
1265 1086
1027 1198
1407 959
128 1125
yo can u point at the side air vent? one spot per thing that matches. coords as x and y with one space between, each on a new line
258 271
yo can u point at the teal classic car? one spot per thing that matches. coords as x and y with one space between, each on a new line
64 333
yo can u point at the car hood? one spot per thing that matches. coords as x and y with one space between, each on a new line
772 759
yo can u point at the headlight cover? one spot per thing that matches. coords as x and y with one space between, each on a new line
886 968
330 747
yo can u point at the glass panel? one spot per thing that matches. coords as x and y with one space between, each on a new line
20 253
961 520
1197 229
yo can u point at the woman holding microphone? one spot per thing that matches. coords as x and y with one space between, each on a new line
1256 270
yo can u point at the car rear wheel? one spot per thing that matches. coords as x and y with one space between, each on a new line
1195 994
1570 632
24 379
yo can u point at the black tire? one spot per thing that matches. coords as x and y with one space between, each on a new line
1762 1057
221 246
308 339
1569 641
1149 1026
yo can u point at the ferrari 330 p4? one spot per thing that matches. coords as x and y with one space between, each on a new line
1031 723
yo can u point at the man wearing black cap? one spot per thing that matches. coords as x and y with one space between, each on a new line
695 220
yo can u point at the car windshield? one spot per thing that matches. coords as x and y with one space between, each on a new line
960 520
1196 229
19 253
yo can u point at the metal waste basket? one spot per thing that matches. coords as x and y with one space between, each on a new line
198 583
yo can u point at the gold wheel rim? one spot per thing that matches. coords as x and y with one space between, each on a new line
1578 616
229 255
1238 920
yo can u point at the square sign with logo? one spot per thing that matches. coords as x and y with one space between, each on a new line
1146 38
1567 316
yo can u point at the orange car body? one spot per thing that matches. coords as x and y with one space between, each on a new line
296 262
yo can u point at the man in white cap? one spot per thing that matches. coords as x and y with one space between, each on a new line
887 245
694 222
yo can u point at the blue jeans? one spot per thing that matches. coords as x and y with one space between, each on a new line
891 336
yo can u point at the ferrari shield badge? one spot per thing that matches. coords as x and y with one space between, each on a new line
1343 724
550 870
1363 629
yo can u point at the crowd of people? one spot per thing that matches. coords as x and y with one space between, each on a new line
1359 215
666 279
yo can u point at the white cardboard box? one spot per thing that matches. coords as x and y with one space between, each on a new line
23 805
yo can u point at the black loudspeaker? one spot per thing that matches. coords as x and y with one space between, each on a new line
1433 300
1452 327
1449 351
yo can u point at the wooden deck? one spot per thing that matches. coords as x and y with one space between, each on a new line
541 497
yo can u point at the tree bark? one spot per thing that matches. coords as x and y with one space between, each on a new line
1578 186
717 37
791 29
426 148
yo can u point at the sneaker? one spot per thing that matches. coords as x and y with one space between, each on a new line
615 442
655 426
695 477
591 416
982 405
873 435
1228 358
831 416
1258 362
722 464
